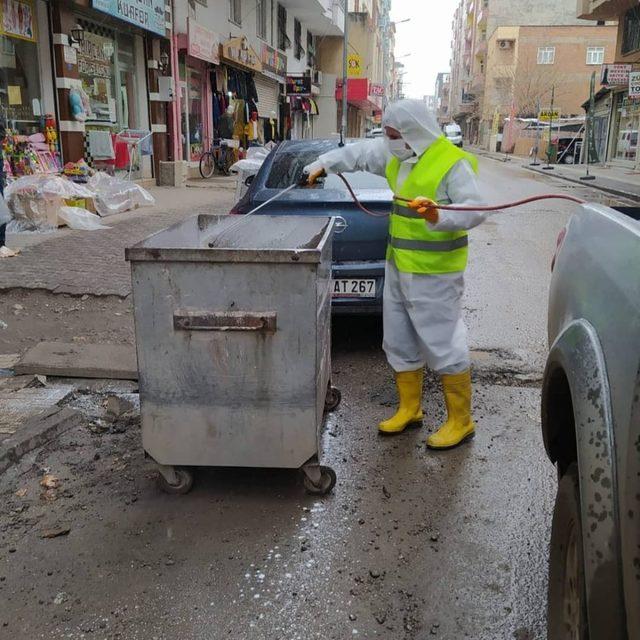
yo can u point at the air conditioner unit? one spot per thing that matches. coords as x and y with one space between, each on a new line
505 44
317 78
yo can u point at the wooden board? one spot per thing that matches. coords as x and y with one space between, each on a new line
112 361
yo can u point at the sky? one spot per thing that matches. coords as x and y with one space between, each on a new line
427 37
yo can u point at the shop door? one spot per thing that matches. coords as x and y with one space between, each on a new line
627 126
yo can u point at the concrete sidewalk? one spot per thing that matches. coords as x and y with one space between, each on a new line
92 262
618 181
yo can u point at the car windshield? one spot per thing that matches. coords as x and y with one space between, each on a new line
291 159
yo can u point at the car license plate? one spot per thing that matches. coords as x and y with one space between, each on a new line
354 288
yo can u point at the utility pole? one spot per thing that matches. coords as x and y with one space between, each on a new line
553 95
345 74
589 125
535 162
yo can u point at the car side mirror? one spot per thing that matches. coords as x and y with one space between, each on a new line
249 179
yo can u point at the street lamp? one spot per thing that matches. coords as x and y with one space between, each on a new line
77 34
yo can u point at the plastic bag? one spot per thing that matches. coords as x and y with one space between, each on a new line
113 195
80 219
5 214
34 201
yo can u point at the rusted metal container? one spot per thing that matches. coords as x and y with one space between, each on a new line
233 324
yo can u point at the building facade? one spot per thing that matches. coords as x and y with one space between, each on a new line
441 97
474 24
614 99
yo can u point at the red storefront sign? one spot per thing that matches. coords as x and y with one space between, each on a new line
358 94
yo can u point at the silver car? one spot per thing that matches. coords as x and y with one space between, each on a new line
591 427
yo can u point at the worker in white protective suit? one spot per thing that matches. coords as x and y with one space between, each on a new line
426 259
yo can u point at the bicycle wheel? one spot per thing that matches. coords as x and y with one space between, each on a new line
207 164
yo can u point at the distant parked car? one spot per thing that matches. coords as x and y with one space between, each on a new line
359 251
375 133
591 427
453 133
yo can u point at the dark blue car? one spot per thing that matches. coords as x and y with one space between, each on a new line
359 251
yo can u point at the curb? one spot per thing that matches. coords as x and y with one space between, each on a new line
592 184
36 433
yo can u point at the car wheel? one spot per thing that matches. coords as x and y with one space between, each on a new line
567 602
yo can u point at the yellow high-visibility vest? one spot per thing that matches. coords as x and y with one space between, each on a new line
413 247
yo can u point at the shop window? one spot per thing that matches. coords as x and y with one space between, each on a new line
283 39
546 55
595 55
20 92
261 18
298 51
311 50
631 31
235 11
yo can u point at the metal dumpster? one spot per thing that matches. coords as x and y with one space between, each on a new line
233 328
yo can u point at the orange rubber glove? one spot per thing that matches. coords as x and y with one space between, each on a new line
314 171
427 208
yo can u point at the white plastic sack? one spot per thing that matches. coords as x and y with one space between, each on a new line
5 214
34 201
113 195
80 219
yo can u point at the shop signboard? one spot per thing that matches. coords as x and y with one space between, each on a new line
634 85
354 65
546 115
18 20
298 85
274 63
238 51
202 43
615 75
376 89
146 14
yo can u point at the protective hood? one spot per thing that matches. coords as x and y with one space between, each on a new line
417 125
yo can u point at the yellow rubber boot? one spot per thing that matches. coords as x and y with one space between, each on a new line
459 425
409 385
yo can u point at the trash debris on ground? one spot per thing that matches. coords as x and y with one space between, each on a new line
21 493
5 252
80 219
114 195
49 481
56 532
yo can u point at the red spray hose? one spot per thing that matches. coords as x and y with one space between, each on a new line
455 207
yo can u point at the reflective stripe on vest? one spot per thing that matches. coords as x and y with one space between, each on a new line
413 246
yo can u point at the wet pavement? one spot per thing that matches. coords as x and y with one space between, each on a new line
411 544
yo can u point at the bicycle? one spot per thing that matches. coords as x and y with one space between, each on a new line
220 156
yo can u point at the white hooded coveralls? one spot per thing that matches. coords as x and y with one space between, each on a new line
422 314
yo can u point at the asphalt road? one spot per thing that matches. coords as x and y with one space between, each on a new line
412 544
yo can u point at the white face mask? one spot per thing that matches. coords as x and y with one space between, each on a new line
398 148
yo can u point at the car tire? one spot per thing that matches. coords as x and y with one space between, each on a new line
567 601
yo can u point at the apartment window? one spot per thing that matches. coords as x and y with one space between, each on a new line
298 51
595 55
262 11
311 50
631 31
235 11
283 39
546 55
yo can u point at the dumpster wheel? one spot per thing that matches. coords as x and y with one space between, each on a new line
326 484
181 480
332 399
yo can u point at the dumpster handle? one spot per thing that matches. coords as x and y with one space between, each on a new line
225 321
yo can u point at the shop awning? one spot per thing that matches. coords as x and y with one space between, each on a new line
358 95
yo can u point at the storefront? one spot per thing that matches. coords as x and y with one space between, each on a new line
26 89
302 106
104 76
241 67
198 57
626 124
270 89
364 105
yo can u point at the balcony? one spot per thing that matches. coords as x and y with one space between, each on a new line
600 9
321 16
483 14
477 83
481 49
466 107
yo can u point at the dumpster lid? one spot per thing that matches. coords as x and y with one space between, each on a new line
258 238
